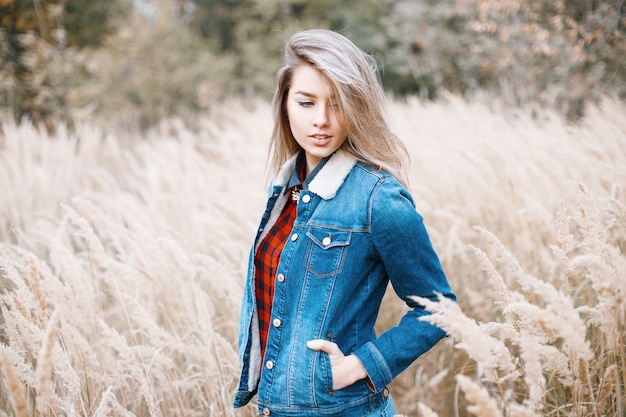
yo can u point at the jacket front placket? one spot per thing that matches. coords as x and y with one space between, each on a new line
307 204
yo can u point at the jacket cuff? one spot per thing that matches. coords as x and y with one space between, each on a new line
375 365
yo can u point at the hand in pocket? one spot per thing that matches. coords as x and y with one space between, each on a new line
346 370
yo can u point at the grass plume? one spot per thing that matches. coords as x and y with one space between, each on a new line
14 387
123 256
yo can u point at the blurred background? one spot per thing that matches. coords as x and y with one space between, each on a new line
121 274
135 62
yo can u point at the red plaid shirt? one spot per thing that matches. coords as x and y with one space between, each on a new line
266 262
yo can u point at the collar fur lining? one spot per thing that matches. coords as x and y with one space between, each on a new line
328 180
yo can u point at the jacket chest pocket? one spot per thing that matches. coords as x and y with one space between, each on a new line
326 251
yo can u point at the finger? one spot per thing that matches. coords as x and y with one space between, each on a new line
323 345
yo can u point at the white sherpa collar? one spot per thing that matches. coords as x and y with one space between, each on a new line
328 180
285 171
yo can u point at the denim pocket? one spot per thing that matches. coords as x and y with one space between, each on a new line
326 252
323 380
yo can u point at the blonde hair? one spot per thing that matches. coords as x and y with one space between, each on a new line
352 76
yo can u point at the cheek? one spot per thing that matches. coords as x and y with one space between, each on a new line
341 127
292 116
297 121
339 120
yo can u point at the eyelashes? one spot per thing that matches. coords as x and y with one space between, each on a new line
308 103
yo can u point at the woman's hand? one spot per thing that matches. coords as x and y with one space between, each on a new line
346 370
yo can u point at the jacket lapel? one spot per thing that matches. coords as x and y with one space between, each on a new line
328 180
332 175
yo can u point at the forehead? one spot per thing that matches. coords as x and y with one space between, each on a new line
310 81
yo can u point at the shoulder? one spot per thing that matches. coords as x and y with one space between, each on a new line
383 184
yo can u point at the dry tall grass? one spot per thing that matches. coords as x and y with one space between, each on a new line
122 261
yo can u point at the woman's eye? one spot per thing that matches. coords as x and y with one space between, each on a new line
305 103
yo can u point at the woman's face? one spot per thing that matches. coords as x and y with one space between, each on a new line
314 115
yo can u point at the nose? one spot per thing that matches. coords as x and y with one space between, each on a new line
321 117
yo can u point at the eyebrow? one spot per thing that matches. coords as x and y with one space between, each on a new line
304 93
307 94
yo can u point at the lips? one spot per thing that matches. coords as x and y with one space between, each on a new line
320 139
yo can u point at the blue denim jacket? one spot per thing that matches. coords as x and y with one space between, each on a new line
356 229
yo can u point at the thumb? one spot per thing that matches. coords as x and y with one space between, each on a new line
323 345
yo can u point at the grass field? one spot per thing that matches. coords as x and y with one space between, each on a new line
122 260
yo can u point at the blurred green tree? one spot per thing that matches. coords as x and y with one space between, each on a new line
152 69
559 53
254 31
40 40
215 19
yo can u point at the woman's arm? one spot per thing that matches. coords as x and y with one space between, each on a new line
402 244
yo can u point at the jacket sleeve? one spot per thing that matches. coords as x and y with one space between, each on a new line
402 244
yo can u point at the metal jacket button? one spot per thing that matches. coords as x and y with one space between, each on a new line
269 364
306 198
266 411
326 241
294 237
280 278
276 322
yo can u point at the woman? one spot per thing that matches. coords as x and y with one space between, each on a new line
339 225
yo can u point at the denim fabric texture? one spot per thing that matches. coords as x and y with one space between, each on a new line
356 229
387 410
